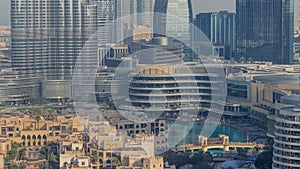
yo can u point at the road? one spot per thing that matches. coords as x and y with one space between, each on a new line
217 165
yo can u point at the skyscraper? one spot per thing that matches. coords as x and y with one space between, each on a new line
48 35
167 25
145 8
203 22
286 141
126 13
132 13
219 27
265 30
106 14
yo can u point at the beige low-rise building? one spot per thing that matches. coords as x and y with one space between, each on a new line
36 131
1 161
132 162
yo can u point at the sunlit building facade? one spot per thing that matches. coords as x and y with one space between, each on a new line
46 37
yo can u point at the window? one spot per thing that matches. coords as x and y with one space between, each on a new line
10 129
63 128
3 130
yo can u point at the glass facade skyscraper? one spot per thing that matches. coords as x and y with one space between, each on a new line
145 8
265 30
178 8
132 13
167 25
48 35
219 27
203 22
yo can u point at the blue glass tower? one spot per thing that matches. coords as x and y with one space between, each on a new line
219 27
265 30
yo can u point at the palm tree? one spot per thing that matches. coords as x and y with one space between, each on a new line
38 118
52 160
41 165
49 114
94 157
116 162
37 113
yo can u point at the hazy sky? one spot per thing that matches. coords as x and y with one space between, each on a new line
198 6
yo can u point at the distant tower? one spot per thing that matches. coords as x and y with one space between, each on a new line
168 26
47 36
220 29
265 30
145 9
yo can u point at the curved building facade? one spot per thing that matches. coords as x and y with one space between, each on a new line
168 89
287 139
17 90
161 50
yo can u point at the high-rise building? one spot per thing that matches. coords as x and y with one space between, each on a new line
286 141
127 14
203 22
219 27
168 25
144 10
132 13
106 14
265 30
47 35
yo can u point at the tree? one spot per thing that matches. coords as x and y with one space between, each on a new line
41 165
15 146
207 157
94 157
12 153
52 157
175 159
43 150
52 160
37 112
242 152
264 160
22 166
23 152
116 162
49 114
202 165
13 166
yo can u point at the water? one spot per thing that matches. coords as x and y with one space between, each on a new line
235 135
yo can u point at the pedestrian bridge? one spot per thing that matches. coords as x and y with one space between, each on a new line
205 144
